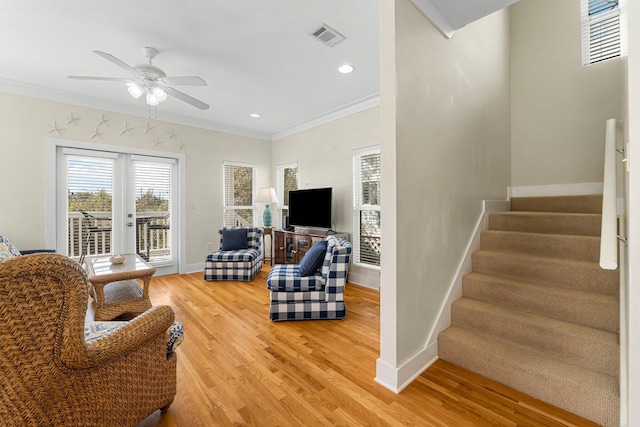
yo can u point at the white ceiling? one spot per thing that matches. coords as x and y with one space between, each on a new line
256 55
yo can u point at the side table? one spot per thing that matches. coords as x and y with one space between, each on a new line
115 289
268 231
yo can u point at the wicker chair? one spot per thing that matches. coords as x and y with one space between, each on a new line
51 376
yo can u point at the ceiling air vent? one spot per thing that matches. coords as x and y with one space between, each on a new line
327 35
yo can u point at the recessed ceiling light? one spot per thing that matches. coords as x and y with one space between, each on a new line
255 115
346 69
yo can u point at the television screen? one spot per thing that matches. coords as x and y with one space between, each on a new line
310 208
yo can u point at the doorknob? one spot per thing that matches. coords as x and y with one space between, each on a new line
129 224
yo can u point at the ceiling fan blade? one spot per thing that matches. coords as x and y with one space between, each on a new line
118 62
186 98
184 81
107 79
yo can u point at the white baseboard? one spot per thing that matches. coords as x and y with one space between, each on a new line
194 268
397 379
364 281
464 267
581 189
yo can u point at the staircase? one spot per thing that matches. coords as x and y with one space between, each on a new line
537 312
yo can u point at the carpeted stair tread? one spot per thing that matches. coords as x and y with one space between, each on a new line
572 274
578 390
570 204
585 248
570 305
584 224
553 337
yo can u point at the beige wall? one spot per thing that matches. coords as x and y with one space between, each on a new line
453 151
559 109
324 155
24 127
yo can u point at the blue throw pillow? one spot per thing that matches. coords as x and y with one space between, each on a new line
234 239
312 261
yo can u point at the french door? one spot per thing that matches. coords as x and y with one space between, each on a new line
111 203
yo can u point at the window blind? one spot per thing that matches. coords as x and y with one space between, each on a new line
601 31
367 206
89 189
238 194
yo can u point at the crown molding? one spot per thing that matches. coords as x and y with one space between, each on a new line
41 92
362 104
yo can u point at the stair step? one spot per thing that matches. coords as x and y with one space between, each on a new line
582 308
553 337
585 248
581 391
569 204
585 224
571 274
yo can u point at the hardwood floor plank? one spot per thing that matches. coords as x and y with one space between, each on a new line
236 367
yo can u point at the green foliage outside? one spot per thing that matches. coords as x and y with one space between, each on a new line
100 201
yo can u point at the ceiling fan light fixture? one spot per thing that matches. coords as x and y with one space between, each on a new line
135 90
159 93
151 99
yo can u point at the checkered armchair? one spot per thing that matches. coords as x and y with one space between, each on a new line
321 296
239 264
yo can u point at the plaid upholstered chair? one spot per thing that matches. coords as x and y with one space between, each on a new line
240 255
319 295
54 374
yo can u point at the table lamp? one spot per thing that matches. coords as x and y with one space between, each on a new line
267 196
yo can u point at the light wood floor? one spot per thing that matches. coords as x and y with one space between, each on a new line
236 367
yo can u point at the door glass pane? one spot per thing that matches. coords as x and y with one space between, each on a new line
89 194
152 182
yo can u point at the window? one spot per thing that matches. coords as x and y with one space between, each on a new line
239 181
366 206
287 181
602 35
90 190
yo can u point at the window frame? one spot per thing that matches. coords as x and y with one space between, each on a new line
358 207
280 186
588 21
225 189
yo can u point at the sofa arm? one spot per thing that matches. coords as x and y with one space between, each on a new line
37 251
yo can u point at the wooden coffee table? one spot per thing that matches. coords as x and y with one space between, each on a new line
115 287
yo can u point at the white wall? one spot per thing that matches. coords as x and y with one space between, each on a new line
24 126
559 109
324 155
452 147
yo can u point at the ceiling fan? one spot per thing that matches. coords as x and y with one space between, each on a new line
151 80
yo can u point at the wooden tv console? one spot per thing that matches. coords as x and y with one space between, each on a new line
289 247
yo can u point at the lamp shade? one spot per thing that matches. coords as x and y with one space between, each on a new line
267 195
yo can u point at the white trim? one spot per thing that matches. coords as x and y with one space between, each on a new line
581 189
464 267
439 19
363 104
41 92
397 379
193 268
51 191
364 280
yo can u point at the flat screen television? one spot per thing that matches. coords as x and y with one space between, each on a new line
310 208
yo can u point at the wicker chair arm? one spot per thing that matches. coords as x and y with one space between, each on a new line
129 337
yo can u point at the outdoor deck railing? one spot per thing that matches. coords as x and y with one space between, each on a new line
100 242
